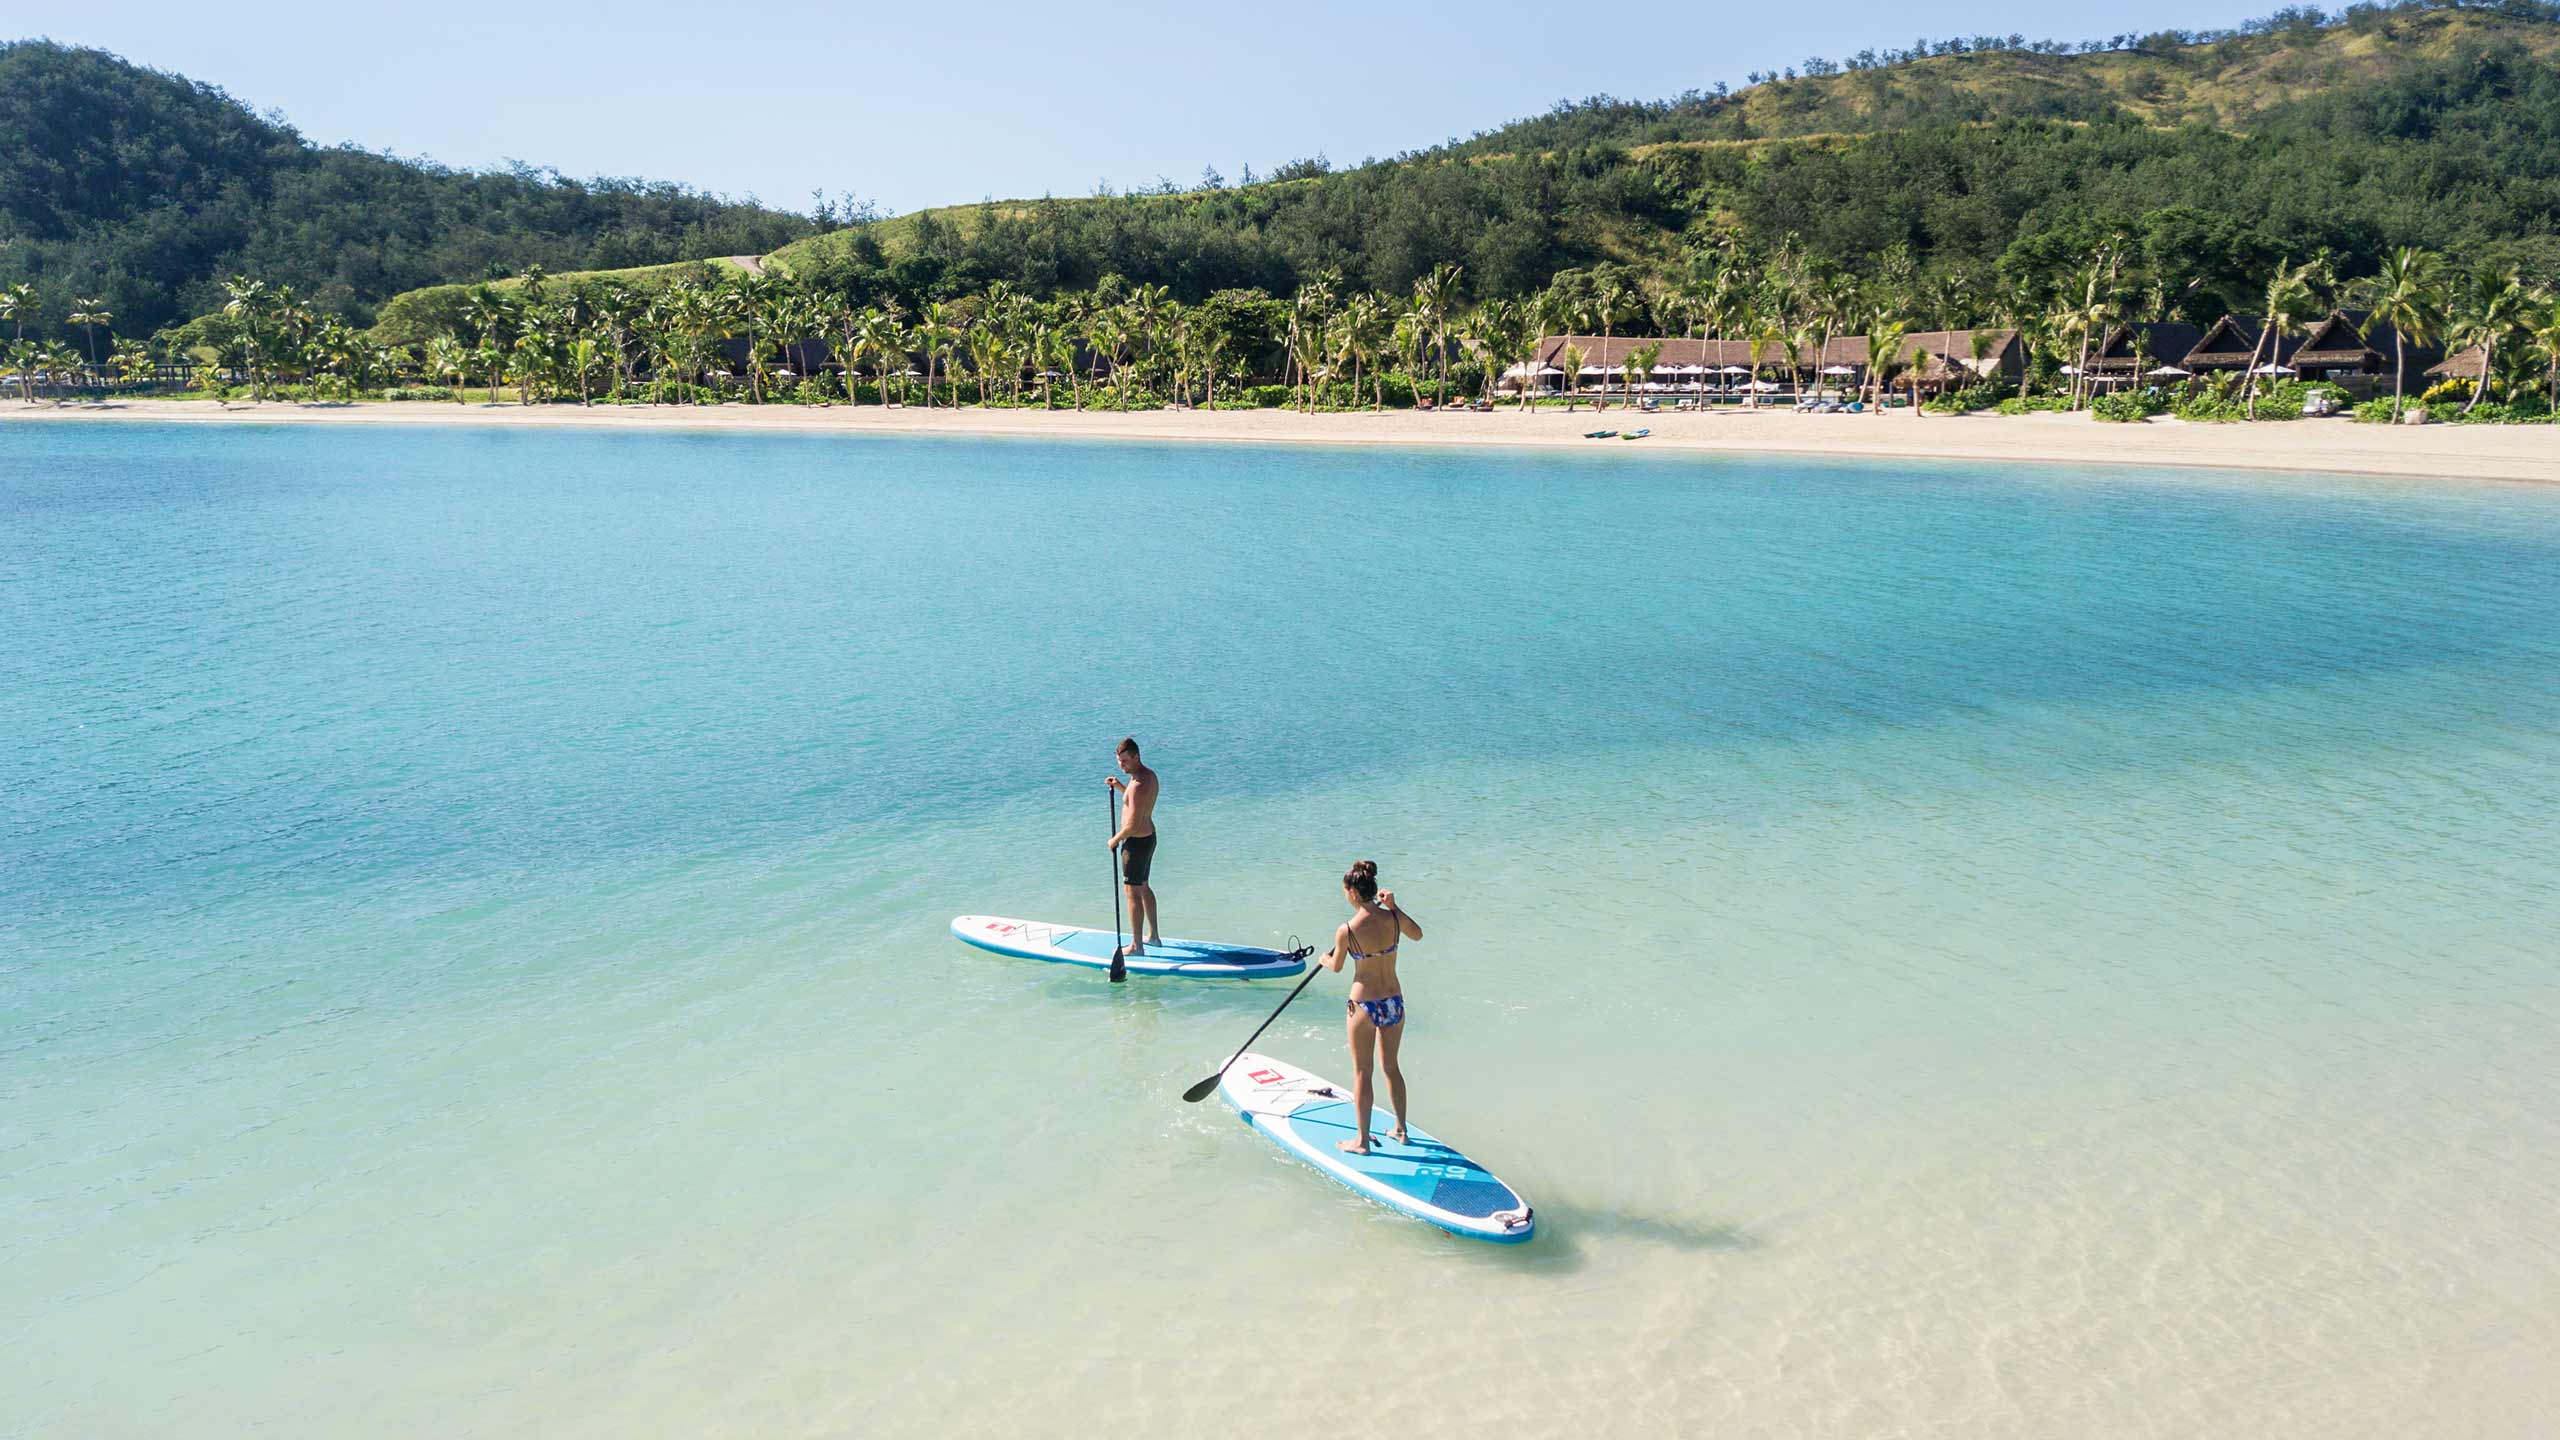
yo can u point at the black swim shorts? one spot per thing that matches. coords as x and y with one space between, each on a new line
1137 859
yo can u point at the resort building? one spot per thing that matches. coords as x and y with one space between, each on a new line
1728 368
2142 354
2342 349
2471 365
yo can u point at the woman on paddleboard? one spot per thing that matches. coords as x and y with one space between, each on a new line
1376 1013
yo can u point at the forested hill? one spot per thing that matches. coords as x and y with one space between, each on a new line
145 189
1948 171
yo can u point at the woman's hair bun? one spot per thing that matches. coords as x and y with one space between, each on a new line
1363 877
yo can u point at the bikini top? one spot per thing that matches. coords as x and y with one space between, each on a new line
1374 954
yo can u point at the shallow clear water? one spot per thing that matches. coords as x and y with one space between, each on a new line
1949 950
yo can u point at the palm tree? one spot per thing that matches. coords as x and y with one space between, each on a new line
1435 296
1798 339
131 358
582 356
1765 332
2407 294
1641 361
986 352
89 314
22 363
1057 350
18 304
532 364
1570 362
246 306
2288 301
1314 333
1885 337
1608 305
1368 328
2090 317
2542 327
448 358
1499 330
2487 312
2086 322
60 365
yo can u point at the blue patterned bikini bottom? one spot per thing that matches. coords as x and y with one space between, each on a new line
1385 1014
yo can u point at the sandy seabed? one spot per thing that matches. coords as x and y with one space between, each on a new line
2438 452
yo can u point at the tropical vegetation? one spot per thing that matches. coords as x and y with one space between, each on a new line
2400 162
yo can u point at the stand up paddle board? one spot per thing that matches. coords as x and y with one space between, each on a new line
1422 1177
1075 945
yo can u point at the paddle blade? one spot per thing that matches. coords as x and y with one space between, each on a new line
1119 967
1200 1092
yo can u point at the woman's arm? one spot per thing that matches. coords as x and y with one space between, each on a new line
1332 959
1406 925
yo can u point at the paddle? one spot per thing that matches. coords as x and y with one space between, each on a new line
1200 1092
1119 952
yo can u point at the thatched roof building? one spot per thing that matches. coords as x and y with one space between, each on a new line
1979 353
2230 343
2130 353
2350 342
2471 364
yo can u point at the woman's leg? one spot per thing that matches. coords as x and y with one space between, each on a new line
1364 1042
1390 1040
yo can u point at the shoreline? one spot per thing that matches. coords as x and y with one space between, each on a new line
2520 453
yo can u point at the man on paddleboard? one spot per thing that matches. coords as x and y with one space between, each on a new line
1135 843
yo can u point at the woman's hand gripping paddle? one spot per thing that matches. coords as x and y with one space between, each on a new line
1200 1092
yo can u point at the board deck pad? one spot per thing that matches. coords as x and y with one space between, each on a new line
1424 1177
1090 948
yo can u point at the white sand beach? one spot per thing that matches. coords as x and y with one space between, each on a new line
2440 452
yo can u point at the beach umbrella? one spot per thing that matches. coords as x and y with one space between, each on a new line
1549 370
1838 370
1764 386
2070 369
912 374
1735 370
2170 372
2273 370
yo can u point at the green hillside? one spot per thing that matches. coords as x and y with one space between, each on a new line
145 189
411 317
2427 123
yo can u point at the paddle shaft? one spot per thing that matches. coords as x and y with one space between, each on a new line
1119 952
1200 1092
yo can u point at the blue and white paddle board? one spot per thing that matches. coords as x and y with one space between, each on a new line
1309 1117
1076 945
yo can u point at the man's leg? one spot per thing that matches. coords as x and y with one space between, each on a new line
1137 918
1155 929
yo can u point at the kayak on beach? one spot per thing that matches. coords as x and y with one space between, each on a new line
1091 948
1422 1176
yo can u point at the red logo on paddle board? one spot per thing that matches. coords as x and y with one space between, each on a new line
1265 1077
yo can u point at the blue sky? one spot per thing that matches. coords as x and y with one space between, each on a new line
920 104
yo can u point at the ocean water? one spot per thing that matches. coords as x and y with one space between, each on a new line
1949 950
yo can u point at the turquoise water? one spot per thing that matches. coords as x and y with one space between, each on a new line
1949 950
